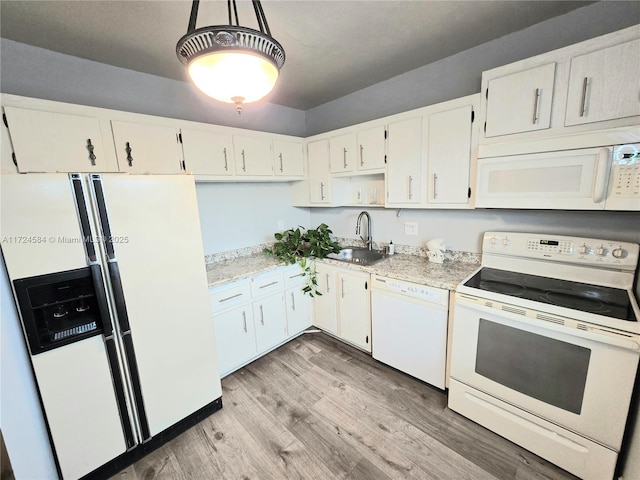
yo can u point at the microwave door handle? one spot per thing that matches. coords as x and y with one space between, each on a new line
601 180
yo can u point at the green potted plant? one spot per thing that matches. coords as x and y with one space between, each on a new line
301 245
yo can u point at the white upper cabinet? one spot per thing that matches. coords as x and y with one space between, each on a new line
520 102
56 142
253 155
343 153
319 172
207 152
604 85
449 155
145 148
404 162
371 148
288 158
583 95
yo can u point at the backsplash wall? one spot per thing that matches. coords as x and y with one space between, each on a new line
239 215
462 230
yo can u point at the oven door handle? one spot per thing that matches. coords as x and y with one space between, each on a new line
587 332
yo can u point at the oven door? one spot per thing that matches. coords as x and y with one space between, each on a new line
575 378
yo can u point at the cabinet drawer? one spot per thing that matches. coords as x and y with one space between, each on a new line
293 276
266 284
229 296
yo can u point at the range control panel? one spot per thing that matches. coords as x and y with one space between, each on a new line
577 250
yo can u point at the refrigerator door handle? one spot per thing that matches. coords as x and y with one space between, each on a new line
101 297
96 180
120 304
83 216
118 383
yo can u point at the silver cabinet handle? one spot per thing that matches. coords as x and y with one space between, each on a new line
342 287
297 275
293 302
261 315
226 165
230 298
321 190
328 284
361 156
281 162
244 321
344 157
536 106
244 164
583 100
268 284
410 187
435 186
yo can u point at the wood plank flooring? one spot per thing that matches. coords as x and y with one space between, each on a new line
317 409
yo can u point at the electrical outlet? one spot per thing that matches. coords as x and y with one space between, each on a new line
280 225
411 228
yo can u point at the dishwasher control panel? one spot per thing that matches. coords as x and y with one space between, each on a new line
414 290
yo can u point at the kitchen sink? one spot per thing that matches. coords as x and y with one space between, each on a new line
358 255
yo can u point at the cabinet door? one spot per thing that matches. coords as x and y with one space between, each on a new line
449 156
371 148
56 142
520 102
325 306
319 176
270 321
253 155
354 310
298 310
143 148
603 85
343 153
404 162
289 159
207 153
235 338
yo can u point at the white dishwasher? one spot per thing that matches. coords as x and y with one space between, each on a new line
409 328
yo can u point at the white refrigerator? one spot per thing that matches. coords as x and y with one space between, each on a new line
109 280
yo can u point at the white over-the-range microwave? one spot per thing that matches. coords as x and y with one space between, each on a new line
569 178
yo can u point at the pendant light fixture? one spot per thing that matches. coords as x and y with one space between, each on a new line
231 63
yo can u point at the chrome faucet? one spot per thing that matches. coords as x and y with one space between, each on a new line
369 240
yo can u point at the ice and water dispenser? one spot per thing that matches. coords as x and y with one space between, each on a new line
61 308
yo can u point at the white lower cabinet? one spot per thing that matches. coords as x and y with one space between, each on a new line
344 308
233 322
255 315
297 303
354 308
270 321
325 307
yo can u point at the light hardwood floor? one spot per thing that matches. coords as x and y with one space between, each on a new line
318 409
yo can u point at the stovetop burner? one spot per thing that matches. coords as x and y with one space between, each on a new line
610 302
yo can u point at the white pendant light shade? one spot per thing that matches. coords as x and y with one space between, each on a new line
231 63
227 76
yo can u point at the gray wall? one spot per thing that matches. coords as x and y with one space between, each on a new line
238 215
40 73
460 74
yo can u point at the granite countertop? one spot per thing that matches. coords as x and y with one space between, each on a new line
410 268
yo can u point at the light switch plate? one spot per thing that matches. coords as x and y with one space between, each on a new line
411 228
280 225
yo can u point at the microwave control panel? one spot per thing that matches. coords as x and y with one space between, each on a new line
624 182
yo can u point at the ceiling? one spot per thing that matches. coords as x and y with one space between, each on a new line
332 48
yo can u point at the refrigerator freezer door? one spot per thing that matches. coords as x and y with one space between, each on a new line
155 229
39 230
80 405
